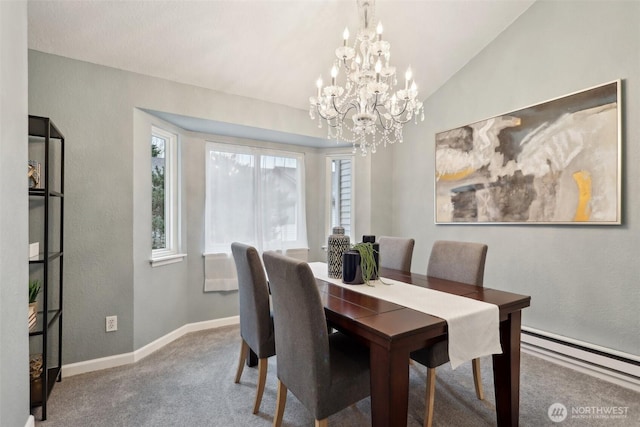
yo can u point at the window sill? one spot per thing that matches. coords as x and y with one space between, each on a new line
169 259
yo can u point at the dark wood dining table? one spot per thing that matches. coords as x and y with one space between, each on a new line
392 331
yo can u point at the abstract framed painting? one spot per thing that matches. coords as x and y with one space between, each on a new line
556 162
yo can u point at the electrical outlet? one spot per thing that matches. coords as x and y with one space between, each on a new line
112 323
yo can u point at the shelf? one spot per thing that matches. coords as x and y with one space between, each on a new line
46 144
41 192
53 375
52 316
38 127
40 259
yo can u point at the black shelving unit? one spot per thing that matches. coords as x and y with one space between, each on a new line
46 223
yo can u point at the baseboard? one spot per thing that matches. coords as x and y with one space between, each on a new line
31 422
616 367
126 358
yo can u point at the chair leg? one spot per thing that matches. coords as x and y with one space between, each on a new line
244 350
477 378
262 379
281 402
430 398
322 423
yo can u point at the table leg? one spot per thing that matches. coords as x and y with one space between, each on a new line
252 358
389 387
506 372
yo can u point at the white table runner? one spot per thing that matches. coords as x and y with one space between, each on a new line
474 326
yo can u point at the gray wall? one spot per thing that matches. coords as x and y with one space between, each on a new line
14 270
159 293
107 268
107 220
584 280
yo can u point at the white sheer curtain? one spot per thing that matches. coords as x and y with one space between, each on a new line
254 196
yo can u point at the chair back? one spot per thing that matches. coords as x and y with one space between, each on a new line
300 326
298 253
396 252
458 261
256 327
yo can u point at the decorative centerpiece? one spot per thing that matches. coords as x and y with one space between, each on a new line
351 269
34 290
337 245
33 174
376 252
35 376
360 264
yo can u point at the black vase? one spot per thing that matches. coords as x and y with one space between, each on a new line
351 270
376 252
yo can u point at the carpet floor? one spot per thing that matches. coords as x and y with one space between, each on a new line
190 383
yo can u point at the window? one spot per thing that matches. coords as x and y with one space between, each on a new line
255 196
339 193
164 195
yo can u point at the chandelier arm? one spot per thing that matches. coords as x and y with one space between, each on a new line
404 108
329 120
334 122
402 122
350 105
377 111
382 121
396 117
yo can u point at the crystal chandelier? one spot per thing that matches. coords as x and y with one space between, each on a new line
367 110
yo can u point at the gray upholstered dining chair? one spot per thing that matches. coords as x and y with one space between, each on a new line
396 252
326 372
256 322
460 262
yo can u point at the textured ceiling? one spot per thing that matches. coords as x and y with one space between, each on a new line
270 50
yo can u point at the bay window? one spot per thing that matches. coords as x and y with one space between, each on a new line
254 196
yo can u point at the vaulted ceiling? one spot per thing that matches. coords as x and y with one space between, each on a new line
265 49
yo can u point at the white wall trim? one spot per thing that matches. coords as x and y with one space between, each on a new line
127 358
30 422
622 373
165 260
606 368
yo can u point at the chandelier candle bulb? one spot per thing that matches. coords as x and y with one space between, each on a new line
319 84
345 36
379 30
407 77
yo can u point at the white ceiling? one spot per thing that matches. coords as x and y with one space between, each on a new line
265 49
